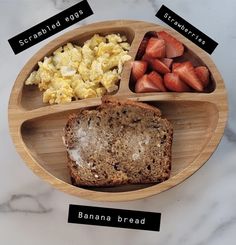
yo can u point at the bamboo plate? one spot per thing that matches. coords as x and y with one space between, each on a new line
199 118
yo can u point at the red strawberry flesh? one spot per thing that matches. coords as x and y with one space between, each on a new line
187 74
203 74
157 80
144 84
168 62
174 48
159 66
174 65
156 48
139 68
173 83
147 58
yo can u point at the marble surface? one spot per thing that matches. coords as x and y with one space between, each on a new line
199 211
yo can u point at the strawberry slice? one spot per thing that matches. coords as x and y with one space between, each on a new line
144 84
157 80
167 61
186 73
142 48
203 74
174 48
156 48
139 68
173 83
159 66
145 57
174 65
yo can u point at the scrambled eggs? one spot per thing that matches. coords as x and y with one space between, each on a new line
82 72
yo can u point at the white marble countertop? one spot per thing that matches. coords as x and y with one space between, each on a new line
199 211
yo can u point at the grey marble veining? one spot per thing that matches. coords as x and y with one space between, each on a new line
199 211
23 203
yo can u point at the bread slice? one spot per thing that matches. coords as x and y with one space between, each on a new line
119 142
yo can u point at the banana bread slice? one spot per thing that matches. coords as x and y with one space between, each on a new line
119 142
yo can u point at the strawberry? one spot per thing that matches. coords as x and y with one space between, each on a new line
142 48
186 73
173 83
147 58
174 65
174 48
159 66
139 68
203 74
144 84
156 48
167 61
157 80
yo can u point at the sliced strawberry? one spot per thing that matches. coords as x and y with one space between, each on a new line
144 84
167 61
142 48
156 48
173 83
159 66
174 48
203 74
147 58
139 68
174 65
157 80
186 73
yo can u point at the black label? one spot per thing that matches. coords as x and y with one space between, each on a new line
186 29
114 217
50 26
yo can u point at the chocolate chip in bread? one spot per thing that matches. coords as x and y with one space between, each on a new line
119 142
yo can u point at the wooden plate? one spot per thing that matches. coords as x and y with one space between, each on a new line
199 118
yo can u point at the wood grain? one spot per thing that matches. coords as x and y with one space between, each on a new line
199 118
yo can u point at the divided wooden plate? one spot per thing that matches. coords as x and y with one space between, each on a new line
199 118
